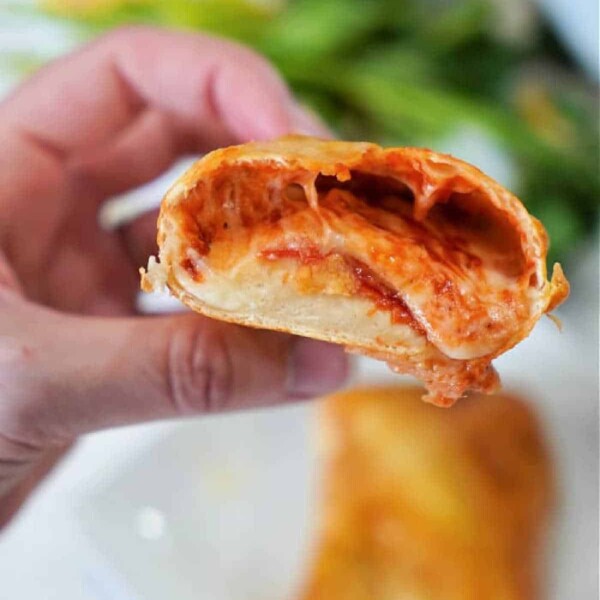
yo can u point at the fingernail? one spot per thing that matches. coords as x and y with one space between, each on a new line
315 368
305 121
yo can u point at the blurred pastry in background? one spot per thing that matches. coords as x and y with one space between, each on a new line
426 504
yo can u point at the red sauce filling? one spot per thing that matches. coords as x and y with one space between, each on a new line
189 266
307 255
384 297
368 284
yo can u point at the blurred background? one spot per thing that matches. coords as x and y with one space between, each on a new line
223 507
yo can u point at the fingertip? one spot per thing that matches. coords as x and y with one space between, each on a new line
256 103
251 97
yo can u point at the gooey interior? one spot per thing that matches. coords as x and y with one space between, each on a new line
350 259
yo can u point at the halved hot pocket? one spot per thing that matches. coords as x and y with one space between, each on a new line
407 255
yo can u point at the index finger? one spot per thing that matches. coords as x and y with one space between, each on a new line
205 84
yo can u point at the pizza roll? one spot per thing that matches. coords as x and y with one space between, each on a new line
407 255
426 504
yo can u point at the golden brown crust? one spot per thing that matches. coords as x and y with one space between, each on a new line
420 503
444 249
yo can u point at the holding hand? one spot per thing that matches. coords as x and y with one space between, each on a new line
73 356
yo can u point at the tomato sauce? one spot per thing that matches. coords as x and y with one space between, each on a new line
190 267
306 255
368 284
384 297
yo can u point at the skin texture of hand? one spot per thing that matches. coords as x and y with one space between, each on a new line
74 357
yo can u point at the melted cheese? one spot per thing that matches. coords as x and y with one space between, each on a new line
454 287
411 240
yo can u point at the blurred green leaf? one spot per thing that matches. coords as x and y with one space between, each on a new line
240 19
397 61
312 29
449 24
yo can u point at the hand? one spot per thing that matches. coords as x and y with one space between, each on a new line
73 356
